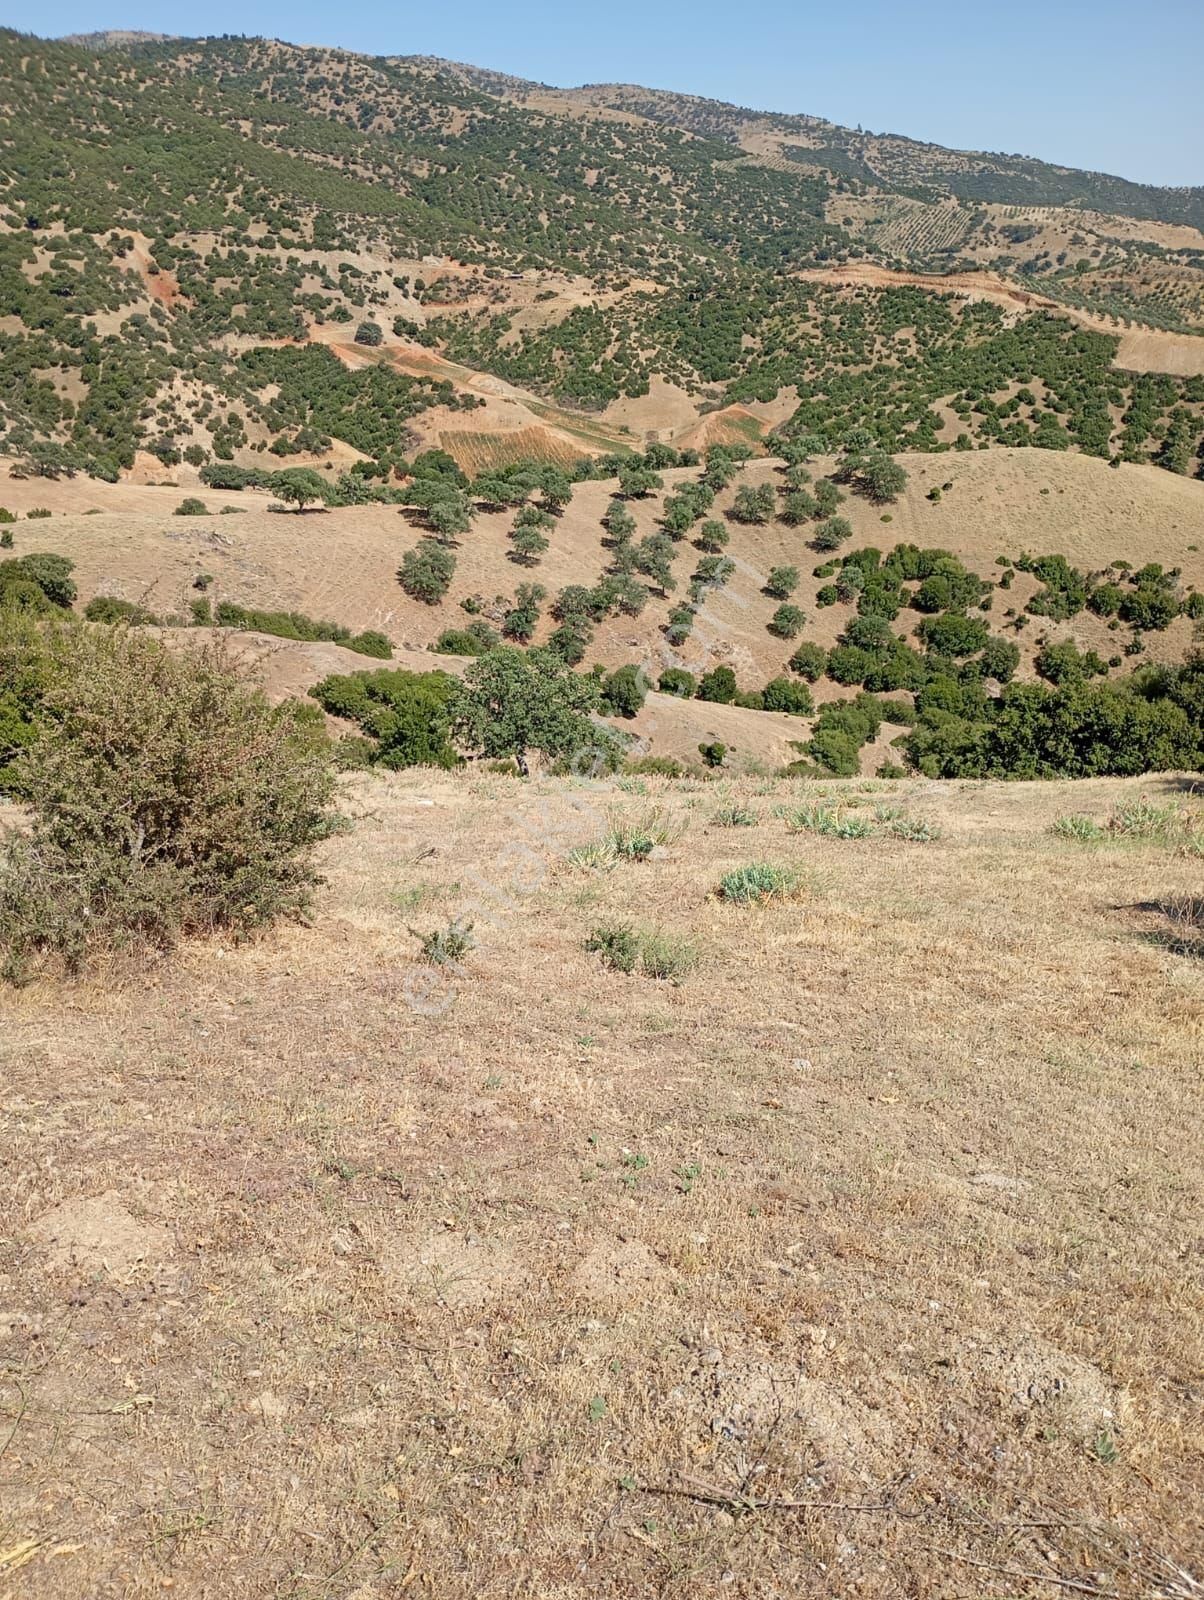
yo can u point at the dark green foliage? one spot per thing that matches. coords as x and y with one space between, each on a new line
799 507
809 661
712 537
39 580
1149 607
513 702
624 692
840 730
999 660
522 619
786 622
881 479
753 505
295 625
676 680
781 582
426 571
617 943
107 608
713 754
637 481
475 640
1066 589
952 634
1105 599
298 486
786 694
718 685
369 333
405 714
832 533
1064 663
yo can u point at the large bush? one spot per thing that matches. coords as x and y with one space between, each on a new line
404 714
166 798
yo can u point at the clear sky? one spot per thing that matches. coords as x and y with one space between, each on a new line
1105 84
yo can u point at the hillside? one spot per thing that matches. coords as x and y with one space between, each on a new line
478 325
864 1249
586 248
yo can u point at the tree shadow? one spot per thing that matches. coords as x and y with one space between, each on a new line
1180 925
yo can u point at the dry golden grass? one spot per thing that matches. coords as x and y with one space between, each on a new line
863 1261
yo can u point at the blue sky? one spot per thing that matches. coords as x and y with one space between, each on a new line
1108 85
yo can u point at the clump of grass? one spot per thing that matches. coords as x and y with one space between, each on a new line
735 816
628 839
1142 819
1081 829
596 856
828 821
446 947
757 883
916 830
635 839
667 956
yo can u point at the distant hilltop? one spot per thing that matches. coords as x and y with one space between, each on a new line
115 38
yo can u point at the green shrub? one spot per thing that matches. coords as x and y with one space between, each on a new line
784 694
447 946
782 582
292 625
830 822
191 507
677 681
624 692
148 820
617 943
734 815
1142 819
916 830
809 661
37 582
1083 830
718 686
659 955
786 622
107 608
832 533
475 640
426 571
404 713
512 702
713 754
667 956
759 882
655 767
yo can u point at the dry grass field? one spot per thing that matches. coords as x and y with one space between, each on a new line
863 1260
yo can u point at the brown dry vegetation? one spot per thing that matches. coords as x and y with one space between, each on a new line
865 1261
